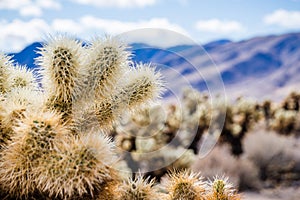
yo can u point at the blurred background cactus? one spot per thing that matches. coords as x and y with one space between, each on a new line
171 136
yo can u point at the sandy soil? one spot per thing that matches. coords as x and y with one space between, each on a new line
256 196
274 194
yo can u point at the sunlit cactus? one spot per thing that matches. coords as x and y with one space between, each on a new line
142 85
184 185
33 140
54 133
138 188
61 63
53 142
221 189
5 69
109 189
138 87
101 114
12 108
106 62
21 77
77 168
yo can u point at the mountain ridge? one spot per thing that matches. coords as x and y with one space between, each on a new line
261 67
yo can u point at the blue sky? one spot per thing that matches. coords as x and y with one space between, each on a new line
25 21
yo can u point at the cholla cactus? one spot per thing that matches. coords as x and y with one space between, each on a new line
21 77
53 139
62 70
292 102
12 107
282 117
240 118
77 168
18 88
5 67
138 87
33 140
221 189
184 185
143 86
15 76
284 121
107 61
145 135
138 188
56 147
17 101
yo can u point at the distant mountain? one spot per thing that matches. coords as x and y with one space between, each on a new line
210 46
27 55
261 67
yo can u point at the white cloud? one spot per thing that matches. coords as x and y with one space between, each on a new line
117 3
67 25
157 31
48 4
13 4
117 27
31 10
159 37
13 37
283 18
219 26
29 7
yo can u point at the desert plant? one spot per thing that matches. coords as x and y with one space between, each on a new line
187 185
184 185
284 121
62 68
31 145
21 77
151 143
239 170
6 64
269 162
54 139
292 102
56 147
138 188
221 189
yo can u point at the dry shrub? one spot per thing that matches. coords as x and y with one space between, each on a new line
286 193
275 156
240 171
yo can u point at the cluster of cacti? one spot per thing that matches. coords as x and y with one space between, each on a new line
160 139
53 143
148 144
188 185
158 135
282 118
177 185
241 116
54 128
231 120
183 126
